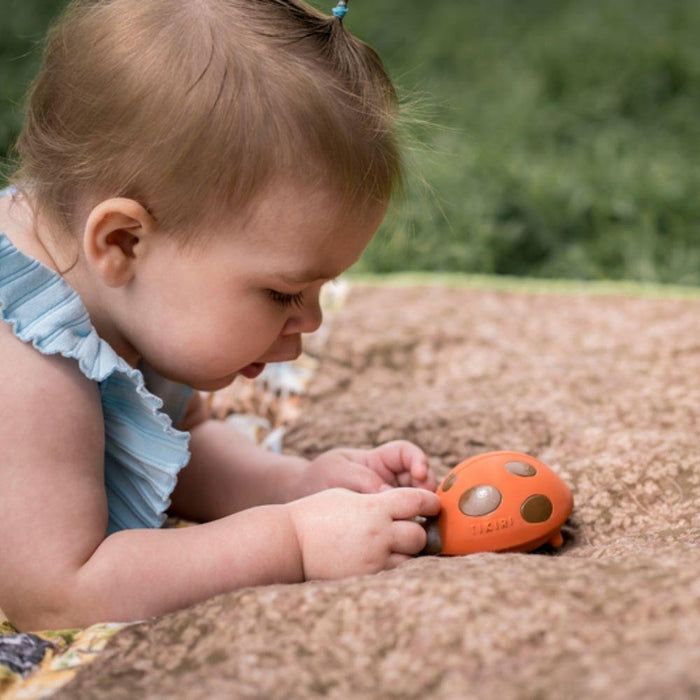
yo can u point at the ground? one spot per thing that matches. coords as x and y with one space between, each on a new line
605 390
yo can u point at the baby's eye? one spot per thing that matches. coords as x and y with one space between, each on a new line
287 299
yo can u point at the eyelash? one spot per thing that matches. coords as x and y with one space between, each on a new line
287 299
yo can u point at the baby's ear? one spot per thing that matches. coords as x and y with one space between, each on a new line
112 231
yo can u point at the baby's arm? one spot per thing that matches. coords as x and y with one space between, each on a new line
227 472
56 566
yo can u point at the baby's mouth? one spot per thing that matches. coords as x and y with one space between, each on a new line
252 370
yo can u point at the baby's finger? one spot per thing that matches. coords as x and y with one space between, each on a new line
430 482
419 478
406 503
401 456
395 559
405 479
370 459
407 537
357 477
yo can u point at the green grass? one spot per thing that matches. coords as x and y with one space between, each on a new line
553 138
570 140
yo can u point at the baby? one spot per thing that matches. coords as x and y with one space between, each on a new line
189 176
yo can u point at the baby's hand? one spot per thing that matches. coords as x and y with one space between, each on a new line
396 463
342 533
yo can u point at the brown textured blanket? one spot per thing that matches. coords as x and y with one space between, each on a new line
606 390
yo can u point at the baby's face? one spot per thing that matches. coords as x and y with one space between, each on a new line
247 295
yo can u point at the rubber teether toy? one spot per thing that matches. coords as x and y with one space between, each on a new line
499 502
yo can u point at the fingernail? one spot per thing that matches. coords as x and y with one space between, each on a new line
385 487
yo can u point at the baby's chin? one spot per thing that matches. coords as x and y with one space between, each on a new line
249 371
211 384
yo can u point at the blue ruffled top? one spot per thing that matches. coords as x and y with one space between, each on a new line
143 451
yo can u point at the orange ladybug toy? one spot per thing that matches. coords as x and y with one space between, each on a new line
499 502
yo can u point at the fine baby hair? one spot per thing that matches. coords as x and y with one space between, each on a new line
194 107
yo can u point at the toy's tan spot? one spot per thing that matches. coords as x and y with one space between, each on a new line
449 482
521 469
480 500
536 509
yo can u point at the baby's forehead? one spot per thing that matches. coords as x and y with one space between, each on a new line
302 236
289 213
303 257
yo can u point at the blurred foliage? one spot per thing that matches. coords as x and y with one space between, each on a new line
22 27
552 138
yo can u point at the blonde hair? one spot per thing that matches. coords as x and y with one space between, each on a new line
197 105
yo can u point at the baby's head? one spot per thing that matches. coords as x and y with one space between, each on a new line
194 107
254 131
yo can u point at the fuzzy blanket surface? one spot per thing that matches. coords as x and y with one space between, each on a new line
605 390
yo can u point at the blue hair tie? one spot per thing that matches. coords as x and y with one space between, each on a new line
341 9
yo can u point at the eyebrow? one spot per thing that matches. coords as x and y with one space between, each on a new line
305 276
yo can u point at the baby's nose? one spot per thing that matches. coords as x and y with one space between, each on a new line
305 320
312 317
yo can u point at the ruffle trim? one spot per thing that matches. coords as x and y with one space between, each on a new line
143 451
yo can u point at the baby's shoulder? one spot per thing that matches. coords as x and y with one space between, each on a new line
37 388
